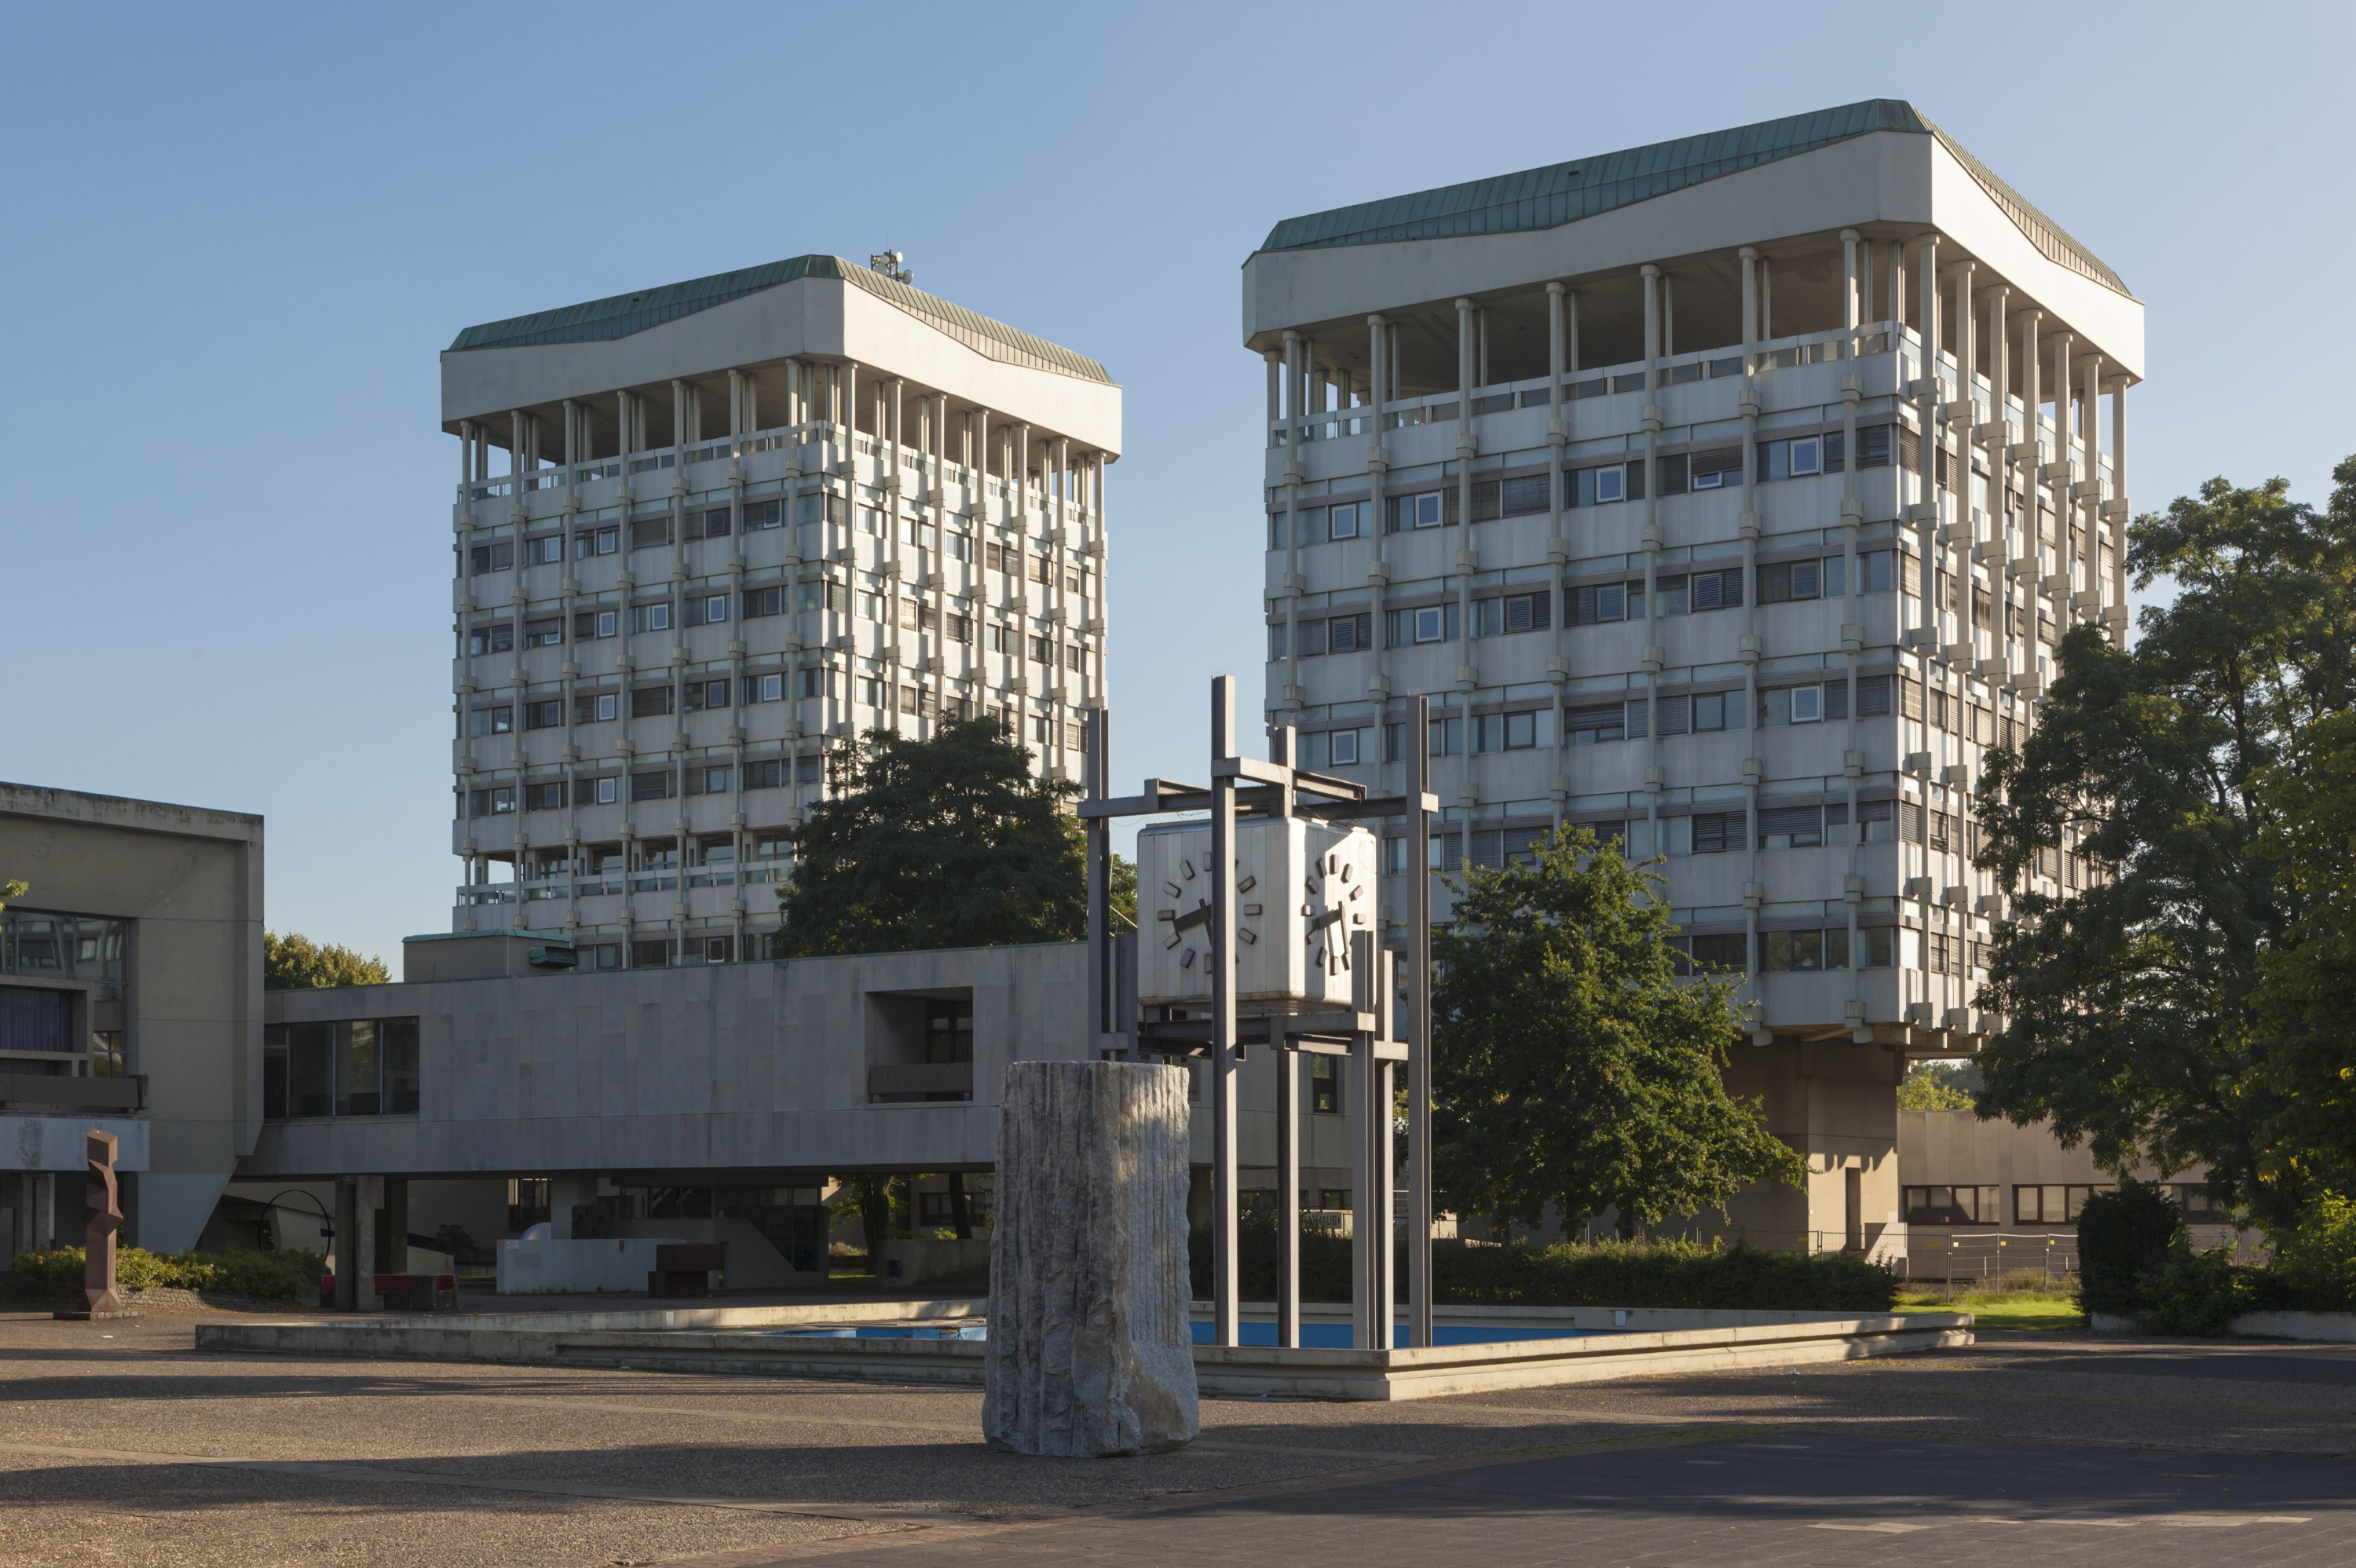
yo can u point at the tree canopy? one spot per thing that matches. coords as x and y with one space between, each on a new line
2309 978
943 842
1571 1065
1938 1086
2158 1012
295 963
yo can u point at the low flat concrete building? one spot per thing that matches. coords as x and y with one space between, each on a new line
130 1002
727 1094
1985 1199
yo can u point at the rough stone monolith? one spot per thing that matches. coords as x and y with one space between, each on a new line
1091 1352
102 1202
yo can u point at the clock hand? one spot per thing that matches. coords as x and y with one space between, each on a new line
1330 917
1199 915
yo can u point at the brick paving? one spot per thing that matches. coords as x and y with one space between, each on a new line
119 1443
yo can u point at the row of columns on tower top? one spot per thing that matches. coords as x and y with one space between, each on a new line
816 393
1301 385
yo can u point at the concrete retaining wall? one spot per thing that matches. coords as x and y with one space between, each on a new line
731 1341
2332 1327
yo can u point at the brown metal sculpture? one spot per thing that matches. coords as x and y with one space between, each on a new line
104 1200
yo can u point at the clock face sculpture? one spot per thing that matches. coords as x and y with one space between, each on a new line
1188 929
1302 889
1333 906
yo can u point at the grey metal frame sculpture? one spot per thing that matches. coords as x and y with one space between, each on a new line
1243 788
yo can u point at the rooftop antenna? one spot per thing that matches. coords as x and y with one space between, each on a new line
888 263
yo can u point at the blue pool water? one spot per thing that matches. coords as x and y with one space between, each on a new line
1336 1336
1313 1335
891 1331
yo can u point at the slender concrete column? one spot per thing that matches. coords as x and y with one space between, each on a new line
1850 315
1296 353
2088 493
1468 560
1997 437
1916 861
1557 546
1750 258
1381 374
1275 396
1061 594
1652 539
2032 521
1749 527
2119 505
1958 557
1101 694
2058 472
1852 512
937 437
1896 301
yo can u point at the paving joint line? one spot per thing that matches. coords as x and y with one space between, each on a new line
335 1470
1177 1502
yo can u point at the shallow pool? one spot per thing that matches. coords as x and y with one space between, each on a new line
1313 1335
890 1331
1337 1335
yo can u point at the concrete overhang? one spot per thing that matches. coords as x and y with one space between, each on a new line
1887 185
822 318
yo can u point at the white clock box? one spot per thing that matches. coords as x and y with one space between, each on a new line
1304 888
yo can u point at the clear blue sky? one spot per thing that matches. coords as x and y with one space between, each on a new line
237 238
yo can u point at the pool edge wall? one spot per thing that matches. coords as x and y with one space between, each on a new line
1221 1371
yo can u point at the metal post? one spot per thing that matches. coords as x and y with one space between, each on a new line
1418 1032
1095 723
1383 981
1288 1128
1223 1016
1369 1188
1288 1193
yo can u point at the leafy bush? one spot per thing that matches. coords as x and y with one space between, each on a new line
286 1273
2192 1293
1658 1274
1604 1274
2315 1263
2123 1235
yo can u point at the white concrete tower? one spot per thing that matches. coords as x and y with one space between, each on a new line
1700 522
741 519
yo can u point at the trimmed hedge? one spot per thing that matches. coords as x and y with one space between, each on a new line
2137 1260
2124 1237
1603 1274
267 1275
1659 1273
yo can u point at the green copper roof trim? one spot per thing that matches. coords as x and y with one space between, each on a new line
1564 193
601 321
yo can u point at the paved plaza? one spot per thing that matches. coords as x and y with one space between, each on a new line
118 1445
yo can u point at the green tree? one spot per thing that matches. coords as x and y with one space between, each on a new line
295 963
1938 1086
2135 1009
2310 976
14 890
946 842
1570 1066
1123 895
